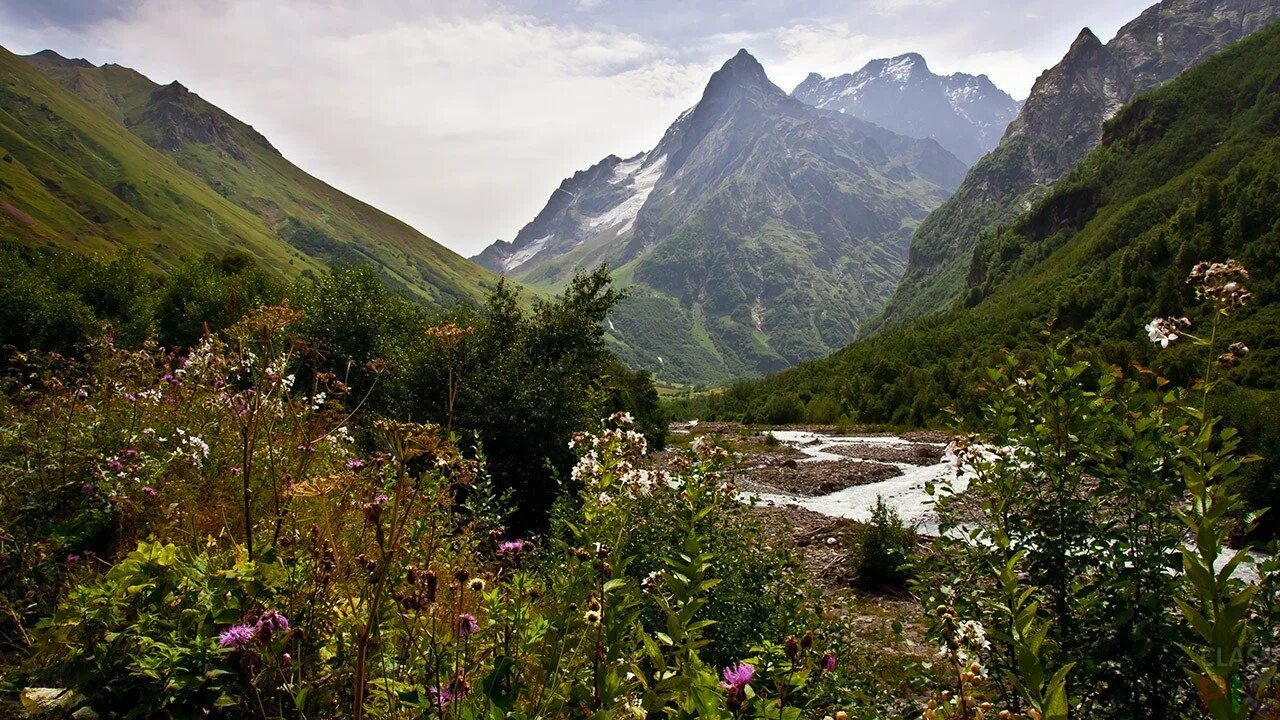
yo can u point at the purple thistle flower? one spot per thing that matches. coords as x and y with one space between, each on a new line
467 624
149 491
72 559
115 465
514 547
443 696
88 487
828 662
738 676
131 453
237 635
270 621
355 464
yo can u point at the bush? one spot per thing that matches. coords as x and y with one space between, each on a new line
883 548
144 636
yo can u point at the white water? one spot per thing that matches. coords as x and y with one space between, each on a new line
904 493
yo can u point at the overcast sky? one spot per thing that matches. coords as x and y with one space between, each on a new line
462 117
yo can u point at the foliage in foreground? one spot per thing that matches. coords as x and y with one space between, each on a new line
520 377
207 535
204 535
1088 553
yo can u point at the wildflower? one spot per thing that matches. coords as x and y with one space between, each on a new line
235 470
477 585
432 583
651 580
87 488
149 491
271 620
592 617
737 676
355 464
373 510
828 662
1233 355
1166 330
443 696
792 648
237 635
82 393
1221 283
467 625
512 547
73 558
115 465
622 418
457 689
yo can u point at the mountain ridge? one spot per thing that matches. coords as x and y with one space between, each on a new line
745 189
306 223
1059 123
965 113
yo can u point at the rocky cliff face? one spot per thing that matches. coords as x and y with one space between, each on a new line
966 114
759 232
1060 122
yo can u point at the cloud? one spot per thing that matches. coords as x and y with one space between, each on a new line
462 116
459 124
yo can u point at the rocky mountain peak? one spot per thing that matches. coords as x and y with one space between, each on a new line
966 115
51 57
740 73
1084 42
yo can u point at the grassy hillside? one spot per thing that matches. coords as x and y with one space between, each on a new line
98 159
1187 173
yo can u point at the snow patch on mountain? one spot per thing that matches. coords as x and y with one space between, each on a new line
526 253
642 179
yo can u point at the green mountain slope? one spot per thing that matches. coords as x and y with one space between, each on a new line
100 158
1187 173
1058 125
758 233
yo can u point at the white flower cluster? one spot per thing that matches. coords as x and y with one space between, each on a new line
706 449
1166 330
198 359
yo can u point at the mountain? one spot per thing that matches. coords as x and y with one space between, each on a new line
99 158
966 114
1059 123
1187 173
759 232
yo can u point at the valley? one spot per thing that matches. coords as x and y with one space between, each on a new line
891 396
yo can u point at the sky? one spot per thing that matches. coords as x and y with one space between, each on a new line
461 117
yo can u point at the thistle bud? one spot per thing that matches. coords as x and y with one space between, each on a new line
433 582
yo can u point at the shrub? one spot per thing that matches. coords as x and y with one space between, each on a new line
884 546
145 635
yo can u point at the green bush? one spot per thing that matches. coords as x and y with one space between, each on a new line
143 638
884 546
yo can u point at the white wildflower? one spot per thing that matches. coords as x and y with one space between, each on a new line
1166 330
